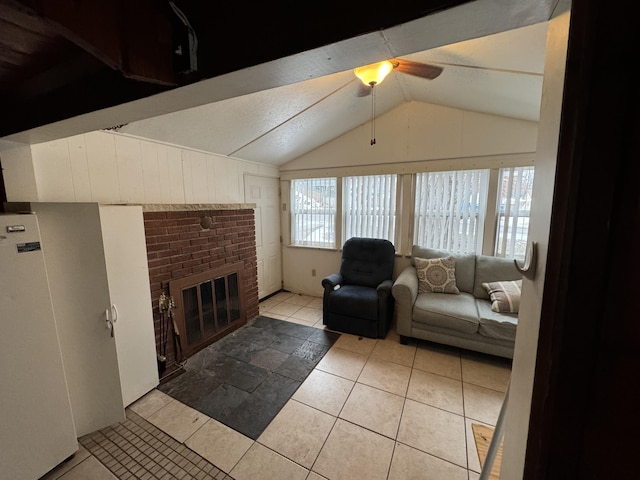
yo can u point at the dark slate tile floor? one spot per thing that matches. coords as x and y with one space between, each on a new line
244 379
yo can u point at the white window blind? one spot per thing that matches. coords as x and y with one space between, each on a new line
514 207
369 206
447 208
314 211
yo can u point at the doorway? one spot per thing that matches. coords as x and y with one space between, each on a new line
264 192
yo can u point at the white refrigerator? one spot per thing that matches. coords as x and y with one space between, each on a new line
37 429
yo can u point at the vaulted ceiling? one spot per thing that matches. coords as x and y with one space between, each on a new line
266 86
499 74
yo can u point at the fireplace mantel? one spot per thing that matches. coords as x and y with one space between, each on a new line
191 207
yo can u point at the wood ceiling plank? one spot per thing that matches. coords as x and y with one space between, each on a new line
23 40
134 38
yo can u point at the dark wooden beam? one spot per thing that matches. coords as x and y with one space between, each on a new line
133 37
88 93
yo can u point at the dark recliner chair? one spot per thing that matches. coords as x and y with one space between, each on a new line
358 300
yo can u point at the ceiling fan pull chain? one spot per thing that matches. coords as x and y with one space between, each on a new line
375 73
373 115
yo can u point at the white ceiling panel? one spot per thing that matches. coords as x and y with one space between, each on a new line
311 129
498 93
224 127
499 74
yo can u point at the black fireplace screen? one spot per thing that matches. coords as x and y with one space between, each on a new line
208 306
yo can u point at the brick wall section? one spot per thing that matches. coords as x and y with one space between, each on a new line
177 247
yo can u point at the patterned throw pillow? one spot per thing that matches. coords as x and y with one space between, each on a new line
437 275
505 296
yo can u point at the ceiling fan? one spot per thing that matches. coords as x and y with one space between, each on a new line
374 74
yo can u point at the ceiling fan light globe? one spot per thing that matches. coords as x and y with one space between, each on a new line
375 73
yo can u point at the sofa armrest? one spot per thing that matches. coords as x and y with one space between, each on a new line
330 281
405 292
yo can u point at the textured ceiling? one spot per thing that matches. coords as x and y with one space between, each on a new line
498 74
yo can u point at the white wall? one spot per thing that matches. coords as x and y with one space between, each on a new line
108 167
415 137
524 362
415 132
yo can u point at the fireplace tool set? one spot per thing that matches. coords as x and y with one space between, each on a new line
166 306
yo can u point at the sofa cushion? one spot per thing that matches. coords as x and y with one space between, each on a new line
504 296
465 265
501 326
453 312
436 275
492 269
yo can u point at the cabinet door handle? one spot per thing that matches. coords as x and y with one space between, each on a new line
115 312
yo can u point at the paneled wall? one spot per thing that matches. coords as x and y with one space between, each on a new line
108 167
414 135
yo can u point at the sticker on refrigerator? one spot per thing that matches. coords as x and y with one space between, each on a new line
28 247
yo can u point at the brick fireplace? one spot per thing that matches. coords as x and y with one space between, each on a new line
209 246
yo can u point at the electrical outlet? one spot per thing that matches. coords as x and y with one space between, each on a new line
313 272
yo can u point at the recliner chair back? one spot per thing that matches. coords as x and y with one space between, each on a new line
367 261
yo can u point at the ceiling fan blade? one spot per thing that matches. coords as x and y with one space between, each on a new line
423 70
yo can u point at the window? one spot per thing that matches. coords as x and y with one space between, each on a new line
313 212
369 207
514 207
449 211
447 207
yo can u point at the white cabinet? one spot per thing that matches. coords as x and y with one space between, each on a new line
97 267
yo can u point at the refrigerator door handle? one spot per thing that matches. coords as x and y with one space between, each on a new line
115 313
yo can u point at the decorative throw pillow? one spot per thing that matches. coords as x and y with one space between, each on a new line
437 275
505 296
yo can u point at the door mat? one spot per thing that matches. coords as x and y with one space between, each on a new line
245 378
483 435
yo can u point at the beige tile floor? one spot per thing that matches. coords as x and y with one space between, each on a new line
371 409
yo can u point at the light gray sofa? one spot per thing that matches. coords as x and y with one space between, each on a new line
465 320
